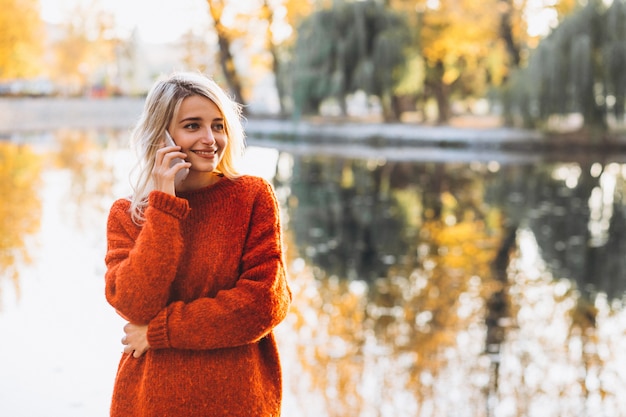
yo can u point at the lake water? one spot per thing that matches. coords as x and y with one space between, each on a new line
426 282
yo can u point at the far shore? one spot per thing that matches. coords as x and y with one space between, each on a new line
25 115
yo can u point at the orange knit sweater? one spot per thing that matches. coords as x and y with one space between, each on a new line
205 272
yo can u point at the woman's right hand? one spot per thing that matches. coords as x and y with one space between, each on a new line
135 339
163 174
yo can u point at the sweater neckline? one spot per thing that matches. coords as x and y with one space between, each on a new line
221 182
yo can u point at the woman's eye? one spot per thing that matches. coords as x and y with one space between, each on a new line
219 127
192 126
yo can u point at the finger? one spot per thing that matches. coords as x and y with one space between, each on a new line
182 165
166 150
139 352
174 154
124 340
165 144
161 153
164 161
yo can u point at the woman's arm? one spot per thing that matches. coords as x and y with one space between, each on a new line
141 261
241 315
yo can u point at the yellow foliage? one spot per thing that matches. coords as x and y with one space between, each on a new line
347 176
564 7
327 327
20 39
464 36
296 10
87 45
459 29
468 248
20 211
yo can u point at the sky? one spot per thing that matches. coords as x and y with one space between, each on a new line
167 21
539 19
156 22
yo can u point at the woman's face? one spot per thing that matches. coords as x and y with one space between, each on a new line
199 130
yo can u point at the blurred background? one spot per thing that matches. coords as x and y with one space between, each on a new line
451 176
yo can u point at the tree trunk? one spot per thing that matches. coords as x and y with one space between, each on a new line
227 61
440 91
506 32
390 107
268 14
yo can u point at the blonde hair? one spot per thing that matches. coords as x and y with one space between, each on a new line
161 106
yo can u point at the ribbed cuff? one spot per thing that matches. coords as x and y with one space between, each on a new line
157 331
177 207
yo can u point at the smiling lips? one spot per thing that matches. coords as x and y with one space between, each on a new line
205 153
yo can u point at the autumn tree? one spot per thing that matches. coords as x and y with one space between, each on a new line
281 35
86 49
268 14
225 39
196 51
265 30
20 39
562 8
512 30
462 49
459 49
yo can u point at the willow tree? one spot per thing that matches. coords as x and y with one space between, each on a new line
578 68
20 39
349 47
614 57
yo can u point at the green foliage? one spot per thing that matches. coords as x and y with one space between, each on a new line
350 47
578 68
614 56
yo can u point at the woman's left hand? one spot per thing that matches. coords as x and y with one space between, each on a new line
135 340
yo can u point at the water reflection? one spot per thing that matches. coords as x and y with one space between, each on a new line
20 182
495 287
23 162
87 156
359 218
421 288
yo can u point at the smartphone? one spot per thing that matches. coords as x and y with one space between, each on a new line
182 173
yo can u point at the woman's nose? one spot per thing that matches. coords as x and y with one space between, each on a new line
207 137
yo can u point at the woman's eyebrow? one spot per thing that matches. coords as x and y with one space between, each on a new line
190 119
196 119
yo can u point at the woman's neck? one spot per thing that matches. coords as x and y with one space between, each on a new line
199 180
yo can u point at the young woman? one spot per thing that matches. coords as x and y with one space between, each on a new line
196 268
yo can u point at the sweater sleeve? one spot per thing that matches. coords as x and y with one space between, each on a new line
245 313
141 261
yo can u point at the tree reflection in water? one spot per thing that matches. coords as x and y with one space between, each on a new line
22 167
436 289
86 157
420 288
20 211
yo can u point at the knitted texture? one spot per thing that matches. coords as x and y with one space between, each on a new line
205 272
